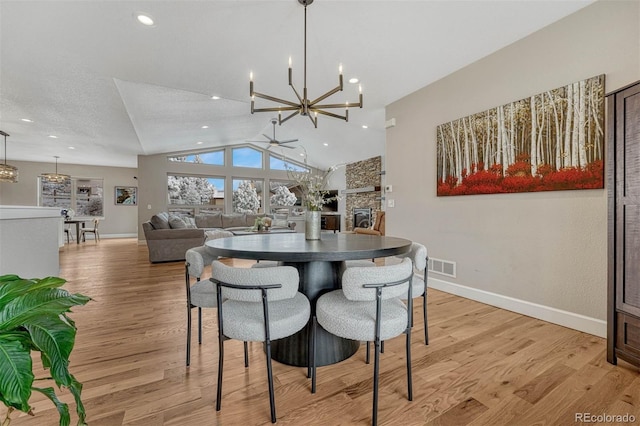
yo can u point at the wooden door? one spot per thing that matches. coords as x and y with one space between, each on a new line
623 184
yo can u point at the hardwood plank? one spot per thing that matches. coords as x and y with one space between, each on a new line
480 364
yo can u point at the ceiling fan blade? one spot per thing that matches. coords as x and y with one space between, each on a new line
270 140
288 141
257 141
286 146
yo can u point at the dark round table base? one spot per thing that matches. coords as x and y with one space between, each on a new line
316 278
330 349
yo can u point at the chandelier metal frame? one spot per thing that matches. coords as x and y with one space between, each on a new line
8 173
55 177
304 106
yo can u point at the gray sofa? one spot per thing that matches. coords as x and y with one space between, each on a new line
169 236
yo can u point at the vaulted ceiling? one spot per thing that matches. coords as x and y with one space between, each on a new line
90 74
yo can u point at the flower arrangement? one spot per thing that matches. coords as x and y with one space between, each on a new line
67 213
313 186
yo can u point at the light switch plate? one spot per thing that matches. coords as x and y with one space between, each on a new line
391 203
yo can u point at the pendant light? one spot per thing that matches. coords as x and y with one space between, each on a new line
54 177
8 173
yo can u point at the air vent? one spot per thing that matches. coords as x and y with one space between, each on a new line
442 267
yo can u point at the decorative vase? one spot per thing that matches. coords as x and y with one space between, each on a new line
312 225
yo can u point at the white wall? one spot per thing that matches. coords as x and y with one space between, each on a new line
543 253
119 221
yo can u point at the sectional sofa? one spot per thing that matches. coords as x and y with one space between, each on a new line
169 236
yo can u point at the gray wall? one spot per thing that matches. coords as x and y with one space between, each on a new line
544 248
119 221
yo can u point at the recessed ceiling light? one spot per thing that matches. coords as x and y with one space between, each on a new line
215 98
301 154
72 147
26 120
353 80
205 127
364 126
144 19
325 144
199 143
53 136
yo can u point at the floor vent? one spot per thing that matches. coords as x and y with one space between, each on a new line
443 267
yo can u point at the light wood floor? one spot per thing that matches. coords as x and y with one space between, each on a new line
484 366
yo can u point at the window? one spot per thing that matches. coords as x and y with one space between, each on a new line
247 196
246 157
276 163
84 196
215 158
196 191
281 197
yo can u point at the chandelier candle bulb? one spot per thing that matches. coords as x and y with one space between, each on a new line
303 105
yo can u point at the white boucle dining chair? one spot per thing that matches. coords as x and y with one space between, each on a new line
202 294
257 305
369 308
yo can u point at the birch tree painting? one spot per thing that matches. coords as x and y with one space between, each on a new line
551 141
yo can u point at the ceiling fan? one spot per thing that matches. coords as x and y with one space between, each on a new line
273 142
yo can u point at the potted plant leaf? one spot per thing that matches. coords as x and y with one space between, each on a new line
33 317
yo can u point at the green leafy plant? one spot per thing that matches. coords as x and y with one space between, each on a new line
33 318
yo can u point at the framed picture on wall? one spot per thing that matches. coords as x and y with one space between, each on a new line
126 195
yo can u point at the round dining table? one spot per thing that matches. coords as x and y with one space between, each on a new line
320 264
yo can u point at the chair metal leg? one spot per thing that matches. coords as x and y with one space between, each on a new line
310 342
272 401
199 326
246 355
376 384
367 356
382 347
188 335
313 354
220 366
424 313
409 381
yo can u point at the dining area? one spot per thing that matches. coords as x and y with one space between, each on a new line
75 229
310 303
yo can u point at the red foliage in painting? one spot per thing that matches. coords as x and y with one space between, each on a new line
518 179
519 168
520 184
482 178
545 169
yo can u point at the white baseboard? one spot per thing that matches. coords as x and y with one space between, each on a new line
108 236
546 313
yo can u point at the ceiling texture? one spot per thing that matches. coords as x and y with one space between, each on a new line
90 74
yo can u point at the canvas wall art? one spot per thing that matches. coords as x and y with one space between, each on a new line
548 142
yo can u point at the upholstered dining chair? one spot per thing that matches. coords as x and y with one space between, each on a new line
419 256
369 308
94 231
67 233
202 294
378 227
259 305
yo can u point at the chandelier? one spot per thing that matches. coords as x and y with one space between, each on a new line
54 177
8 173
304 106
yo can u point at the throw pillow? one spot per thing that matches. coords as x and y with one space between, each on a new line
189 221
160 221
176 222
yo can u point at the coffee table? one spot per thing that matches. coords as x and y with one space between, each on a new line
248 231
